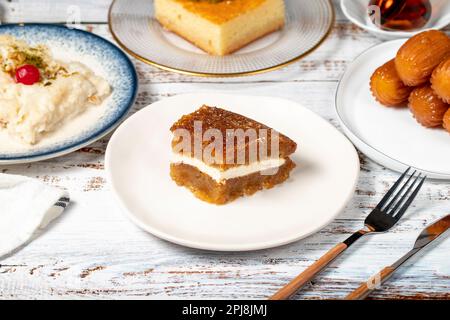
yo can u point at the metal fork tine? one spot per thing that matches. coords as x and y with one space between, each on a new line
410 200
392 189
404 196
400 192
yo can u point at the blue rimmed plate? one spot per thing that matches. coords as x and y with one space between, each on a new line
106 60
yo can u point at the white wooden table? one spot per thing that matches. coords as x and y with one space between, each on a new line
93 251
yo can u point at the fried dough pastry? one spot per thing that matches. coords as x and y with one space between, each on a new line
446 122
427 107
419 56
387 87
440 80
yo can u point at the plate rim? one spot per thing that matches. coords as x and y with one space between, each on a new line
88 140
225 248
388 160
221 75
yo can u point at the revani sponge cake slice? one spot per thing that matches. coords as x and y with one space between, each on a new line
220 27
220 155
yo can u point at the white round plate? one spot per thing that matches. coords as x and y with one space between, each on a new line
357 12
134 27
389 136
137 163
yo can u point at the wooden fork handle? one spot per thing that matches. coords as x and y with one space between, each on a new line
292 287
372 284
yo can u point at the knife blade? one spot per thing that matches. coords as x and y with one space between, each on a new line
428 235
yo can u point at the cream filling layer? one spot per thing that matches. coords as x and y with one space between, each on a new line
235 172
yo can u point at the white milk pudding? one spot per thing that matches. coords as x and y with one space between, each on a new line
38 93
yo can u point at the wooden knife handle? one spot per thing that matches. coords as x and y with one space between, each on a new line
372 284
292 287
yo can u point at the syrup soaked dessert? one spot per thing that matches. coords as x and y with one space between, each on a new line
420 55
387 87
216 179
401 14
220 27
427 107
440 80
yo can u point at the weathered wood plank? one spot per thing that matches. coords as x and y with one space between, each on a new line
109 257
93 251
60 11
48 11
327 63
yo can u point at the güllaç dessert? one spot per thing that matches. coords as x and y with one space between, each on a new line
242 168
220 27
39 93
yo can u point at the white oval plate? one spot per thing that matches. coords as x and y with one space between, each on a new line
389 136
356 11
137 163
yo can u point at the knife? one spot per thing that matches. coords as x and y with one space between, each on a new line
429 234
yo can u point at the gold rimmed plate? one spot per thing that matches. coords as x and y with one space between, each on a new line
134 27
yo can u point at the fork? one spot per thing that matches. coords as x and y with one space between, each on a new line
385 215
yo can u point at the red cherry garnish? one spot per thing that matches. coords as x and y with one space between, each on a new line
28 75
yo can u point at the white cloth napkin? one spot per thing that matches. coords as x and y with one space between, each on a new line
26 205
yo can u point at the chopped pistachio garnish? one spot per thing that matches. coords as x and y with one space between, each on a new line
16 53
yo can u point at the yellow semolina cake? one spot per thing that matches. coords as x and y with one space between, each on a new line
221 27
